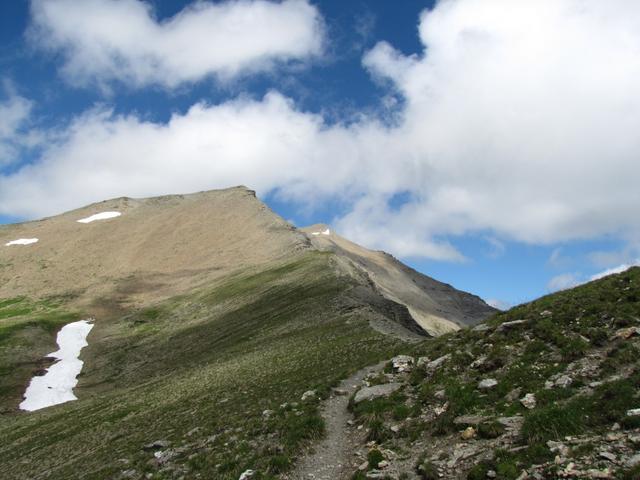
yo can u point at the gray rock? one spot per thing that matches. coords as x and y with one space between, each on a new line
422 362
308 395
633 412
478 361
487 383
510 325
528 401
247 475
402 363
377 391
511 422
564 381
483 327
607 456
437 363
163 457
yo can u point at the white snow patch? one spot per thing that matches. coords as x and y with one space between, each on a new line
325 232
21 241
99 216
56 386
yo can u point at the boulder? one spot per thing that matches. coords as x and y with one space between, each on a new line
308 395
377 391
563 381
402 363
487 383
437 363
528 401
510 325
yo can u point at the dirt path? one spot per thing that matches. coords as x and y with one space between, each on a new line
333 458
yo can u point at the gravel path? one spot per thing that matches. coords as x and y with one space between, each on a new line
333 457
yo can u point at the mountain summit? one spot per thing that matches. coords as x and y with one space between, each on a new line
126 252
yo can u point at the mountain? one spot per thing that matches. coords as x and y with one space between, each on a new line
217 331
549 389
437 307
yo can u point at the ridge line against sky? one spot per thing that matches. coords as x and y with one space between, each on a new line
485 142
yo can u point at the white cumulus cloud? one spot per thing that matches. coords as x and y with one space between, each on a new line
106 40
520 122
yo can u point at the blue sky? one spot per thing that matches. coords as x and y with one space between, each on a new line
483 144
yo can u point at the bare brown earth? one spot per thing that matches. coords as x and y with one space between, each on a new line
437 307
166 246
159 247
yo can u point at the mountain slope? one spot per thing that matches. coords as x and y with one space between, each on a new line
549 389
159 247
212 317
437 307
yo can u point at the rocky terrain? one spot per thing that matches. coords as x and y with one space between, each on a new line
437 307
549 389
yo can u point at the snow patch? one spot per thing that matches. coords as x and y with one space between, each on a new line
56 386
325 232
21 241
99 216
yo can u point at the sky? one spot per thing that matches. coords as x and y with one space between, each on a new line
491 144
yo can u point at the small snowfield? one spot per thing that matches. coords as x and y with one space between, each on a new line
100 216
21 241
56 386
324 232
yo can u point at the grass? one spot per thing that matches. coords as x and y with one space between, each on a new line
558 330
212 361
27 332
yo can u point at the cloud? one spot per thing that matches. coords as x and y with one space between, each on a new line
121 40
570 280
519 122
499 304
564 282
611 271
15 112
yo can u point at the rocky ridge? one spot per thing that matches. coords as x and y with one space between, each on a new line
550 389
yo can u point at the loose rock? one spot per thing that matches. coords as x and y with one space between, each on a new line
377 391
487 383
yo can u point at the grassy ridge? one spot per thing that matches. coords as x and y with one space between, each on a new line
575 333
199 371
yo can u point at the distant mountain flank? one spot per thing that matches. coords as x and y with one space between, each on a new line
437 307
206 334
126 252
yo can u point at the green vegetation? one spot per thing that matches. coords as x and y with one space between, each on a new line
574 334
218 373
27 333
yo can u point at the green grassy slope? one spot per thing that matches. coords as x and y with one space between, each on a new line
198 371
27 333
585 334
